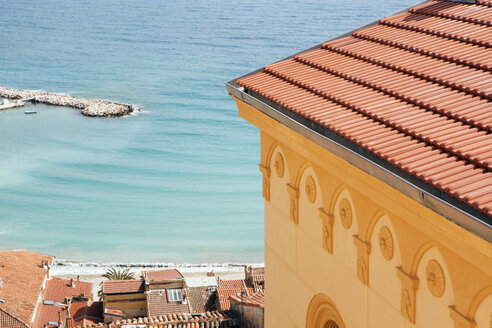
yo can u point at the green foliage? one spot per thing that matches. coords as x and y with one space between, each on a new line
113 274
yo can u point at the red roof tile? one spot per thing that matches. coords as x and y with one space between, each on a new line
162 275
84 314
414 90
21 277
55 292
123 286
9 321
257 300
158 303
228 288
207 319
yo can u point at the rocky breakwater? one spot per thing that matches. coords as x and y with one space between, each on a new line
89 107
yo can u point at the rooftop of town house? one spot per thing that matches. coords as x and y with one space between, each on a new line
213 318
8 320
410 95
123 286
257 300
228 288
259 271
201 299
160 302
153 276
22 271
84 314
53 306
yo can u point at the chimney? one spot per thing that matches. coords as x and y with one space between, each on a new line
48 273
78 278
71 284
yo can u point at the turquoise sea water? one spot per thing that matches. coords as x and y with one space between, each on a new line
178 182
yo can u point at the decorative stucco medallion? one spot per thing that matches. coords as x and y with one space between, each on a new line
345 213
386 243
436 281
279 165
310 189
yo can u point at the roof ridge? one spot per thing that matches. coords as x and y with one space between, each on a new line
391 21
380 86
436 10
387 122
457 84
397 43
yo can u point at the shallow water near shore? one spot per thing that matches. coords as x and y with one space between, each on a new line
177 183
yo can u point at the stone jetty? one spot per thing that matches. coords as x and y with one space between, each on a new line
89 107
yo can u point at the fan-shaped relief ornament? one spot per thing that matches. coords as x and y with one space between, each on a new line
436 282
279 165
386 243
345 213
310 189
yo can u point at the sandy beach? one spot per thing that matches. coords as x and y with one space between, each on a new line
195 274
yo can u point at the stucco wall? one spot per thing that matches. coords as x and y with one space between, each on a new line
341 245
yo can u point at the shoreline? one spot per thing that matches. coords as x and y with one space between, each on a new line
70 267
195 274
88 107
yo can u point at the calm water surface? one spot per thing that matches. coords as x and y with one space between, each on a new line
176 183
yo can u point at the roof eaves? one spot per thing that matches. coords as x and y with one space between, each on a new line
431 197
442 203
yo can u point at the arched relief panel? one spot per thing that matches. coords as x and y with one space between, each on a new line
344 229
384 258
434 294
310 200
323 313
483 315
279 177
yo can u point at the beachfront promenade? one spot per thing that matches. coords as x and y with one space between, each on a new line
89 107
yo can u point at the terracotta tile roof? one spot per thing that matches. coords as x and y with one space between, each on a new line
84 314
123 286
158 303
9 321
53 300
21 279
414 90
201 299
228 288
208 319
161 275
257 300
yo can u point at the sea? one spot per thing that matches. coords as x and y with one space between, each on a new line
175 183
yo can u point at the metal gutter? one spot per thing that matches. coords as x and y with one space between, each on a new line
442 203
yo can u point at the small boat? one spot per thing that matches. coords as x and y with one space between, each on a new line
30 112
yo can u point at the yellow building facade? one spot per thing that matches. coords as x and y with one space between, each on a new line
345 249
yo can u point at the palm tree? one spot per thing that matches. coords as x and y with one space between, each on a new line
113 274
